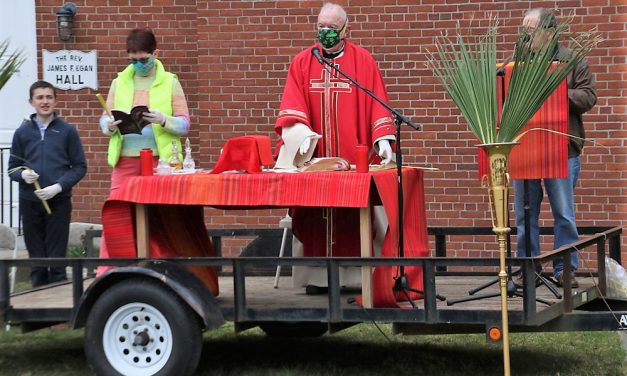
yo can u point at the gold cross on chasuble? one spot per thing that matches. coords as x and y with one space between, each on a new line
329 85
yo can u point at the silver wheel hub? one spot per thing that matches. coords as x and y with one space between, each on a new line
137 340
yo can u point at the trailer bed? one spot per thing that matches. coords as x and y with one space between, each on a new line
248 299
260 294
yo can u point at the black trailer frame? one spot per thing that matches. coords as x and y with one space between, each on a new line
579 311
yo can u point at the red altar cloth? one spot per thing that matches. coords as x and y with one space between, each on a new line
177 226
540 154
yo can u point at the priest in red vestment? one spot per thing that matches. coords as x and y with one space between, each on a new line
323 115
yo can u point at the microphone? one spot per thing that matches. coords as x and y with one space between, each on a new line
501 70
316 52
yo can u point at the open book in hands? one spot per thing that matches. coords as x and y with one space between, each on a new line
132 122
326 164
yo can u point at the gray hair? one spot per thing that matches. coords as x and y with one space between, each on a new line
331 6
544 15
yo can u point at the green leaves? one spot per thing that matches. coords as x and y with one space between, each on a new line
11 64
466 67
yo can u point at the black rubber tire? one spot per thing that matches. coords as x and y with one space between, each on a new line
294 329
184 324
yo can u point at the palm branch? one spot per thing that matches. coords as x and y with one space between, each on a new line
11 64
466 67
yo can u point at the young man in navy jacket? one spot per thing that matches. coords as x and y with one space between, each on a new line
48 150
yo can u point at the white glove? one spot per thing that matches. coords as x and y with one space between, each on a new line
385 151
113 125
155 117
48 192
305 146
30 176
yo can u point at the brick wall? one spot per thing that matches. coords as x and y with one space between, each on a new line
232 58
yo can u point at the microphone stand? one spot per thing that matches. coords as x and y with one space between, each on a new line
401 283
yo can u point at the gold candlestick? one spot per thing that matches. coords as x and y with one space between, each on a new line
498 192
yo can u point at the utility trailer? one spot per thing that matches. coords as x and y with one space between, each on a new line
146 316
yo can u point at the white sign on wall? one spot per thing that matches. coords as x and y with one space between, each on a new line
70 69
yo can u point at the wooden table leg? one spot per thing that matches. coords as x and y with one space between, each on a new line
365 230
143 241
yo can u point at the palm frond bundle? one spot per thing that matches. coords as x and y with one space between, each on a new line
466 67
11 64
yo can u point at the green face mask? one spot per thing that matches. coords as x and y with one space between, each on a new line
328 37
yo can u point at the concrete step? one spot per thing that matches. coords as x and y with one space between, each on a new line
21 250
8 254
77 233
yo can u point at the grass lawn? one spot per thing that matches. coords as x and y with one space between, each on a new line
361 350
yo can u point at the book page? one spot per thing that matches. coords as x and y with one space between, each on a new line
326 164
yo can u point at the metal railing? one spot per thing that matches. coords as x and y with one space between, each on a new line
607 243
9 197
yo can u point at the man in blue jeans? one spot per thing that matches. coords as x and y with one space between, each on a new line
581 98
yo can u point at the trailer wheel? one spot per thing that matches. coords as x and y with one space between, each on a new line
294 329
139 327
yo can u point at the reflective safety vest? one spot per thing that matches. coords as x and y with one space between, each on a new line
160 98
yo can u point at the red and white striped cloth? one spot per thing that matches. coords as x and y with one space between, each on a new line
541 154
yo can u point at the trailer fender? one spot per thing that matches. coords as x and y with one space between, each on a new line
185 284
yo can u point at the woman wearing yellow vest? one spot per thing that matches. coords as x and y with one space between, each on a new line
144 82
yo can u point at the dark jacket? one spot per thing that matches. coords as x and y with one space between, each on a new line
58 157
582 96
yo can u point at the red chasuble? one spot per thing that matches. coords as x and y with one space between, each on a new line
325 101
345 116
